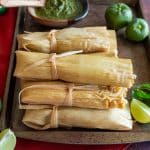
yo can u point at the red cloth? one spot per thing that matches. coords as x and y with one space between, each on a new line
33 145
7 24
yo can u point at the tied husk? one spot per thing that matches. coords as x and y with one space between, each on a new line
58 94
112 119
89 39
81 68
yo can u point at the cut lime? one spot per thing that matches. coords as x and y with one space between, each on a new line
140 111
7 140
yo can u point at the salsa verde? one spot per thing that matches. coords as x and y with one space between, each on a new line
60 9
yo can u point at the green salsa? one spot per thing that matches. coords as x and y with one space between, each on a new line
60 9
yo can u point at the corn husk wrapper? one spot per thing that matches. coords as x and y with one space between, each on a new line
82 68
89 39
68 94
112 119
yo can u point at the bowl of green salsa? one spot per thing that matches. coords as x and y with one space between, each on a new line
60 13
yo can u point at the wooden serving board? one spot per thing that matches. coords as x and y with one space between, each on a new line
12 116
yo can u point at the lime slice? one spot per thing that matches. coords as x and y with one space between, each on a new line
7 140
140 111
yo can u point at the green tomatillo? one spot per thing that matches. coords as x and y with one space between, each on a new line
2 10
138 30
118 15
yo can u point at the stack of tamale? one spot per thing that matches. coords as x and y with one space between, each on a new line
73 78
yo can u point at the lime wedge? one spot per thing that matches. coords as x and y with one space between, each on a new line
7 140
140 111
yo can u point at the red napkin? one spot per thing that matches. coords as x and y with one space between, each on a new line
7 26
32 145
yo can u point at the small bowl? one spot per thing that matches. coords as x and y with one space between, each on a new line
59 23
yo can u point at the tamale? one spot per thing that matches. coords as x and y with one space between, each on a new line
111 119
68 94
81 68
89 39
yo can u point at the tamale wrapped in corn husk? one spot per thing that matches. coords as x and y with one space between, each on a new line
112 119
81 68
68 94
89 39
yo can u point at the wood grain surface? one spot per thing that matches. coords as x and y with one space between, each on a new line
145 11
129 2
